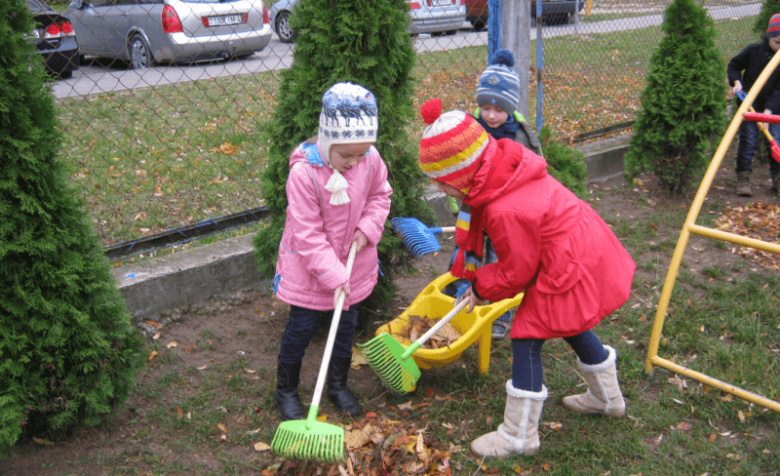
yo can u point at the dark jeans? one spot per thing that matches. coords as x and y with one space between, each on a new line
749 135
527 371
302 325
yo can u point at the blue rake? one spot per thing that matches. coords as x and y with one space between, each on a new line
417 237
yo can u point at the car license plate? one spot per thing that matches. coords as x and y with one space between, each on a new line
443 3
226 20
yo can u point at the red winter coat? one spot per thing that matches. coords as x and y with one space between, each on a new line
549 243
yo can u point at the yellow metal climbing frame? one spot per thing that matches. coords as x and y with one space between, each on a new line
690 226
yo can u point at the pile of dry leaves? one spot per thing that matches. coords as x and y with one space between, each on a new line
754 220
419 325
377 445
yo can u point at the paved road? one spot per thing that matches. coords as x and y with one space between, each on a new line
97 78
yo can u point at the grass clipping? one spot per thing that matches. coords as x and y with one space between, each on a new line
419 325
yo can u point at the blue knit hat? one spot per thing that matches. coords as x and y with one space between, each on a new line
499 84
774 26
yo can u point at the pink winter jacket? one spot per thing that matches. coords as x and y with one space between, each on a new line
317 235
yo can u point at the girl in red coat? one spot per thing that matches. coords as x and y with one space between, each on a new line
550 245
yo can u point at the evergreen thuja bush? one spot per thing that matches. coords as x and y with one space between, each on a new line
366 43
67 350
769 8
683 103
565 163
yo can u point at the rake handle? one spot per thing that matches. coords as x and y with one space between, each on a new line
761 125
442 229
433 330
334 326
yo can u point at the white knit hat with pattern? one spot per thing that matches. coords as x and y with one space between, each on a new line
349 116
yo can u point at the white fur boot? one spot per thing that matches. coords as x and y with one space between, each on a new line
519 434
603 395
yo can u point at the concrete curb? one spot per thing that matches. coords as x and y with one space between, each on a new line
181 279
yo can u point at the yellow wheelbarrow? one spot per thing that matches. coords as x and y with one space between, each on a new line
434 302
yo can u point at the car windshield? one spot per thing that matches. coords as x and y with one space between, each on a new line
38 6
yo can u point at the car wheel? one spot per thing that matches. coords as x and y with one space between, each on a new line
437 33
65 74
283 29
140 55
450 32
479 25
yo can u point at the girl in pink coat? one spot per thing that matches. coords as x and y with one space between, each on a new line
550 245
337 193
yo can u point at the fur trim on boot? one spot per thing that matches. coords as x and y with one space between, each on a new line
519 434
603 395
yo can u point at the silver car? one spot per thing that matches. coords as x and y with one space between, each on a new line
146 32
428 16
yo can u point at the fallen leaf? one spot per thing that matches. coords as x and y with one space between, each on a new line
172 344
179 412
260 446
406 406
42 441
152 354
546 466
222 427
684 426
250 371
357 358
741 416
553 425
153 323
202 367
355 439
190 348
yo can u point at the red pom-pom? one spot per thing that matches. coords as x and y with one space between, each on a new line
431 110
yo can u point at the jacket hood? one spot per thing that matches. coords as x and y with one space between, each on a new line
506 165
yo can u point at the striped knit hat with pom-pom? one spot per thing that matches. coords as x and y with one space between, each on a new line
499 84
451 146
774 26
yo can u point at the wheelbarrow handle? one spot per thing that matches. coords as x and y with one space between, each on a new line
433 330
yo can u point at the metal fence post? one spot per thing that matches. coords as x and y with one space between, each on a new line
515 36
539 65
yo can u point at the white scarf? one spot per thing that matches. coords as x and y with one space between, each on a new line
337 185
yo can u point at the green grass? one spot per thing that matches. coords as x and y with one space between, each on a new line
152 159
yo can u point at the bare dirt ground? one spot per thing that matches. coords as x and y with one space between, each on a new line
249 323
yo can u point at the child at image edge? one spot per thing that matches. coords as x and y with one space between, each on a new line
752 60
550 245
337 193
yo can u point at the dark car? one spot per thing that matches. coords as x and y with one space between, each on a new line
55 39
554 12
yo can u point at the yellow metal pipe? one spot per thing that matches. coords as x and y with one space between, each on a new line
690 226
693 213
733 238
719 384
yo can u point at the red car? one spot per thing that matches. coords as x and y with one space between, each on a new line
555 12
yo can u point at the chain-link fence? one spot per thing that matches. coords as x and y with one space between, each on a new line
162 120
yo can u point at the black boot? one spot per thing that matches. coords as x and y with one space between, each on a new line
286 395
338 392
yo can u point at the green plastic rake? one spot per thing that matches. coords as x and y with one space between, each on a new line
390 360
310 439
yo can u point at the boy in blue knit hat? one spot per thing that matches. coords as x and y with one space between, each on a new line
752 60
498 94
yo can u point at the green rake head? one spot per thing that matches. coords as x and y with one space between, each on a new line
309 440
384 356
